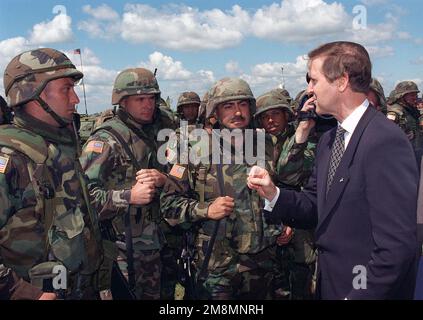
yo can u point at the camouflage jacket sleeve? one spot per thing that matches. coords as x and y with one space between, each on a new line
396 114
179 203
295 162
14 288
14 184
102 162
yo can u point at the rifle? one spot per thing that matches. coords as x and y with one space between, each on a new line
202 275
129 249
121 290
187 275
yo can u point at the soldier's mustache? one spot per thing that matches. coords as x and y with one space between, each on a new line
237 118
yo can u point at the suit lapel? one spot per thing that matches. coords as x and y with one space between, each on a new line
342 174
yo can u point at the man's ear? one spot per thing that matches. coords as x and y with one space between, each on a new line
342 82
122 103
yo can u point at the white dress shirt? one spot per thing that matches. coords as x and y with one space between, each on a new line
349 124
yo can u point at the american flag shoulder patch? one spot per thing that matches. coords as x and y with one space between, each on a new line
177 171
95 146
3 164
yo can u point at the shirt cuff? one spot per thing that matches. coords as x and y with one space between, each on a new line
268 205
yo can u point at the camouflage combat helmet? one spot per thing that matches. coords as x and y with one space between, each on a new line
378 89
28 73
229 89
163 104
297 100
187 98
401 90
202 109
135 81
284 93
274 99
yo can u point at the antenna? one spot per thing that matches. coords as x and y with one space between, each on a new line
78 51
283 80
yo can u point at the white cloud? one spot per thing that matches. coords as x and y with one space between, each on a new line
380 52
57 30
403 35
378 33
184 28
173 78
103 12
267 76
98 81
168 69
274 69
88 56
299 20
232 67
10 48
104 22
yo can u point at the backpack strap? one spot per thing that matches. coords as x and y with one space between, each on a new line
123 142
34 147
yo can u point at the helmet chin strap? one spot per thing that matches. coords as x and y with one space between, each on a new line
60 121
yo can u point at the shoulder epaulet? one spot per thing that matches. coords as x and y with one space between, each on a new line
117 126
25 142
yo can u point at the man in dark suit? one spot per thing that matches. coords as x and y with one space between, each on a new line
362 195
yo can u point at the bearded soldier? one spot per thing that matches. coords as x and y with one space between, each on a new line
234 243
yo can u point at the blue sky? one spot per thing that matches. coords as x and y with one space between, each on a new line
194 43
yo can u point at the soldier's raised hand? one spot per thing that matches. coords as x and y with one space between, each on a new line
151 176
220 208
142 193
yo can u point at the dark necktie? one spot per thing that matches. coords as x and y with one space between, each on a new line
338 149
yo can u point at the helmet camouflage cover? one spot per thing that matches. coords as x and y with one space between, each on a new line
202 109
229 89
134 81
401 90
28 73
188 98
274 99
378 89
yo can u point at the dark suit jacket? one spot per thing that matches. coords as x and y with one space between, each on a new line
368 217
420 209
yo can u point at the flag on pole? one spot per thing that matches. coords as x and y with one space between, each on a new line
77 51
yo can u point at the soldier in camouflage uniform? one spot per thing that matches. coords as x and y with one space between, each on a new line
402 109
204 193
188 107
45 215
165 108
293 274
120 160
176 236
376 96
274 114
